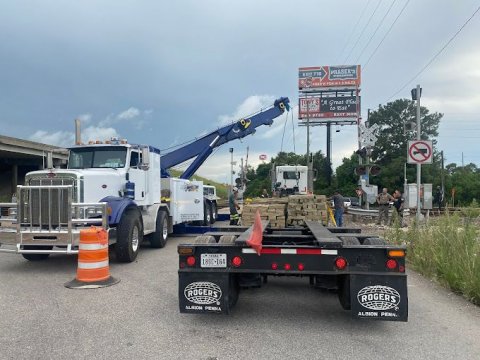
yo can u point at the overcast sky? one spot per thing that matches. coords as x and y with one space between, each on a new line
163 72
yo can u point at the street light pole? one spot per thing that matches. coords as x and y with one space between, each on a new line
419 166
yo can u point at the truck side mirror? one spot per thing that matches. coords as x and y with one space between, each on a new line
145 158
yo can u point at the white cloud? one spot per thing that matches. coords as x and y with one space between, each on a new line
249 106
85 118
128 114
133 115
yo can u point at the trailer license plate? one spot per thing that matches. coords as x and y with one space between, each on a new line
214 261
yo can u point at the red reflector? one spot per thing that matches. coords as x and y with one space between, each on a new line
301 267
340 263
309 252
237 261
191 261
401 268
274 266
287 266
391 264
182 265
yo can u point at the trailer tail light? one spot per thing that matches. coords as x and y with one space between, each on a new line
340 263
274 266
401 268
191 261
287 267
301 267
396 253
391 264
237 261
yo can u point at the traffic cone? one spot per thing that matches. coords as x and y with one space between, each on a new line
93 269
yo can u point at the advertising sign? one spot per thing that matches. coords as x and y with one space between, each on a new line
329 76
317 107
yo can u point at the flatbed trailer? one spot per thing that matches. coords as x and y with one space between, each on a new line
368 275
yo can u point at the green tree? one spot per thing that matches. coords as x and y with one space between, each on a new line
390 150
345 177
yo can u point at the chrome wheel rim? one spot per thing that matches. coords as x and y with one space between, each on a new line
165 231
135 239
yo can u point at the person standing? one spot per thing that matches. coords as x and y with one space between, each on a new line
264 194
338 205
234 207
398 206
438 198
383 200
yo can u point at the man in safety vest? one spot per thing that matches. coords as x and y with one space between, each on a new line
383 200
233 204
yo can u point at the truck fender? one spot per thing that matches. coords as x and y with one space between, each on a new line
118 205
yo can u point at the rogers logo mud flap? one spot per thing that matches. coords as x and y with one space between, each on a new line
379 297
204 292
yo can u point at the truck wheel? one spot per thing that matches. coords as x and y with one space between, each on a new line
36 257
374 241
205 239
207 214
347 240
129 236
344 293
227 239
158 239
214 214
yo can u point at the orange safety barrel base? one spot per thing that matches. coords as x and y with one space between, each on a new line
93 266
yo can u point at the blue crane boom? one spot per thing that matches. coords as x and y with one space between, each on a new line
203 147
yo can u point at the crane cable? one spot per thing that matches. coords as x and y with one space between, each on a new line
284 127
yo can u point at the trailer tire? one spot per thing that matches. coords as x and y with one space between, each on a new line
227 239
158 239
129 236
374 241
344 292
214 213
36 257
205 239
350 240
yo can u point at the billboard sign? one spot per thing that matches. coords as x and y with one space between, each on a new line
317 107
329 76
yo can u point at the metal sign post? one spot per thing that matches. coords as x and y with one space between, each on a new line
419 165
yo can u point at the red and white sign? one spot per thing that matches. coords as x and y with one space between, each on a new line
327 76
420 152
263 157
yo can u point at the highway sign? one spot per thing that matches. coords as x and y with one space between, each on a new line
420 152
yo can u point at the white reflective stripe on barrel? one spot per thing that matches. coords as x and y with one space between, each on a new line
92 265
92 246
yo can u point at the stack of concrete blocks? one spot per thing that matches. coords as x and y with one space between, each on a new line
272 209
306 207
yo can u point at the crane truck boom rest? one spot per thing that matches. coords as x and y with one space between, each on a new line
119 186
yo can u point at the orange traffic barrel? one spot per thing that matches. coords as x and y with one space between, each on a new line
93 269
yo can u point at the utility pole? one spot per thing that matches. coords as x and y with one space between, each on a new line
309 164
442 175
231 170
329 153
419 166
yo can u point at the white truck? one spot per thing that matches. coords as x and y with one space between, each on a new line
291 179
113 184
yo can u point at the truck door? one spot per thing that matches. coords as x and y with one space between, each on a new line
137 175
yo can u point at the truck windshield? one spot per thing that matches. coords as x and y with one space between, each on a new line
291 175
97 157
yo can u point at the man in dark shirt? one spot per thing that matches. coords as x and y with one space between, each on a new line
338 205
233 204
398 206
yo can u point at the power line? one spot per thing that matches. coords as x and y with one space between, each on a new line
436 55
353 31
386 34
363 30
378 27
284 127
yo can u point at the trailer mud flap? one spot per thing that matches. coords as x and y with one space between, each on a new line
205 292
381 297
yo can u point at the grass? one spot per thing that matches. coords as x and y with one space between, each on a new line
222 189
447 249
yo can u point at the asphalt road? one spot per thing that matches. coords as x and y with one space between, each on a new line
139 318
